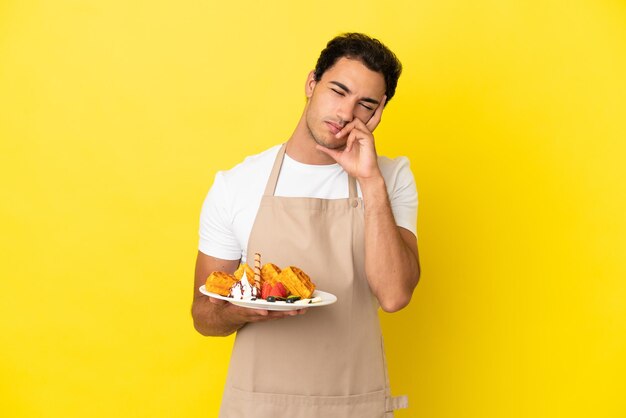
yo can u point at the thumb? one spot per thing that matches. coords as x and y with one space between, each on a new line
332 153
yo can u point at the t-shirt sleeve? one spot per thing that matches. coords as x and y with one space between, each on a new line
403 196
216 234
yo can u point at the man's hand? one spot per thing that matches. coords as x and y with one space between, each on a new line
392 283
242 315
213 316
358 158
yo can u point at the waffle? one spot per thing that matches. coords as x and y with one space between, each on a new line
249 273
220 283
296 281
269 273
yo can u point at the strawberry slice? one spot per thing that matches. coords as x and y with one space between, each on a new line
278 290
266 288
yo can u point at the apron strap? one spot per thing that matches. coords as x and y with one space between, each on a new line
352 187
270 187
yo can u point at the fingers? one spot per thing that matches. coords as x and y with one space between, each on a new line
347 128
217 301
271 315
352 138
368 127
376 117
357 132
355 124
261 315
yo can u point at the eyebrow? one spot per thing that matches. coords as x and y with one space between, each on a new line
347 90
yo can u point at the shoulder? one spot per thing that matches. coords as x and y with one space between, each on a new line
393 163
395 170
247 178
401 190
251 165
250 175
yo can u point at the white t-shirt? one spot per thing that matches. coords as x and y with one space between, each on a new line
231 206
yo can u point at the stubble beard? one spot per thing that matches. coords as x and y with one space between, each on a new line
319 139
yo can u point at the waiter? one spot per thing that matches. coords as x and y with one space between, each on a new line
326 202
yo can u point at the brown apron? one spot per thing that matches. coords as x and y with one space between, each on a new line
329 362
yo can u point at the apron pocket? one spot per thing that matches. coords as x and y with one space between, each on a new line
237 403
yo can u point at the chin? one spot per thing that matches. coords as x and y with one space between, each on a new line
331 143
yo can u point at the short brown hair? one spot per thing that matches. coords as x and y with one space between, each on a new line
371 52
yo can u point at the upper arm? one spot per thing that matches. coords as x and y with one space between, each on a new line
402 192
205 265
217 236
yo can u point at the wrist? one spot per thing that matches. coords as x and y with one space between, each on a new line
372 183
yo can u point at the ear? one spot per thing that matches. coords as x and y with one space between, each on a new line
310 85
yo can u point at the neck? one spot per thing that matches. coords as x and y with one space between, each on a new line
301 146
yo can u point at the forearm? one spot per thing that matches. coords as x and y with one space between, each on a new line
212 316
212 319
391 265
215 317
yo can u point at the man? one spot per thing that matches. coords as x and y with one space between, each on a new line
328 204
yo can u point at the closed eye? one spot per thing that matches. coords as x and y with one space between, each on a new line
341 93
367 107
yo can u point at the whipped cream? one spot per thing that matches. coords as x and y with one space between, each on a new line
243 290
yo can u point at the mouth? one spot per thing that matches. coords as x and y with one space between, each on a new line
333 127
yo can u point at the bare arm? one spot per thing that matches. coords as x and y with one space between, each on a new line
217 317
392 262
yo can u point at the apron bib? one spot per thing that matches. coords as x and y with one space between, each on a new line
329 362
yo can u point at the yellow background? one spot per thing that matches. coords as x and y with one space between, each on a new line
115 116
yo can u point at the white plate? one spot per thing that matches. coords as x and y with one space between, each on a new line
327 299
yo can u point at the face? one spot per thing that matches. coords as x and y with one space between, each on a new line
346 91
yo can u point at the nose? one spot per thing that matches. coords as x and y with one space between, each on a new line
345 111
